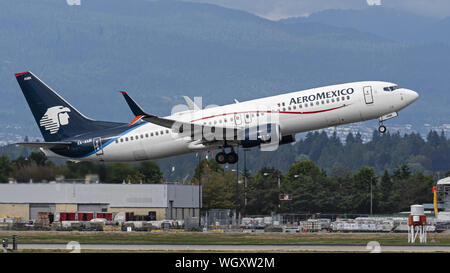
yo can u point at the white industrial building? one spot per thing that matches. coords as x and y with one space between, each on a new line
168 201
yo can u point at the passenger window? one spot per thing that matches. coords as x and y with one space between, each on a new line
146 135
348 97
162 132
167 131
151 134
131 138
126 139
121 140
337 99
156 133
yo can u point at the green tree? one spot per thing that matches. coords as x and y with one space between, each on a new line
309 188
38 157
150 172
119 172
5 169
217 185
385 192
362 181
263 192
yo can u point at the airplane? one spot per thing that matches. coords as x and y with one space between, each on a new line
264 123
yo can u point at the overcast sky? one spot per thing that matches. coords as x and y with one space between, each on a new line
278 9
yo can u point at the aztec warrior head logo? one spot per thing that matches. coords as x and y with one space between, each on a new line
54 117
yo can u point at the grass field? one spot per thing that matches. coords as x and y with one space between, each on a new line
219 238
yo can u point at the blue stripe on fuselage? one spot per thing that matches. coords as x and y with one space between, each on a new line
93 135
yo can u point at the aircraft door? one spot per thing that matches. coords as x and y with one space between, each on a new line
368 96
98 147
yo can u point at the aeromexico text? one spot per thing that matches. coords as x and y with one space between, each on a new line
321 96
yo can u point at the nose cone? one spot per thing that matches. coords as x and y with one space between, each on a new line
411 96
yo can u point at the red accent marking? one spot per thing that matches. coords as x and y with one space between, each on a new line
123 92
135 120
21 73
281 112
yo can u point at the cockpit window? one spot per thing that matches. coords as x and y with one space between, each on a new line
391 88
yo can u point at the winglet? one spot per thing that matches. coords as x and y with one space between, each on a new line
135 108
191 104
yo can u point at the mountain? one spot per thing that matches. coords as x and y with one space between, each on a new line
160 50
396 25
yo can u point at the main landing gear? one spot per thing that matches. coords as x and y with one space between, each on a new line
230 158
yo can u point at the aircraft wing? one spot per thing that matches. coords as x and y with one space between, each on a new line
207 132
164 122
46 145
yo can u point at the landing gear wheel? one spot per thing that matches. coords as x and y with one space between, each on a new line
382 129
221 158
232 158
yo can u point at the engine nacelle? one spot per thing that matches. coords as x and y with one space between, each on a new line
287 139
261 134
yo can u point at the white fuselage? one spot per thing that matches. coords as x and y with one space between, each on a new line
295 112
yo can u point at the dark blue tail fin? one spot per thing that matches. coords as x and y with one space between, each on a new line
56 118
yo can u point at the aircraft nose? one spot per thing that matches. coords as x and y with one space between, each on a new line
412 95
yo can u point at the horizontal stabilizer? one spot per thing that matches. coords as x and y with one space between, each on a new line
46 145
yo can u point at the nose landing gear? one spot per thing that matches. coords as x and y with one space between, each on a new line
382 129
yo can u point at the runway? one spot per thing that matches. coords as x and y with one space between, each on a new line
238 248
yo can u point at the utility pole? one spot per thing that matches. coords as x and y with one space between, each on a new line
199 189
279 187
245 182
279 192
371 178
238 203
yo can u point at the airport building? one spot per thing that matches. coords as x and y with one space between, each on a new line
168 201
